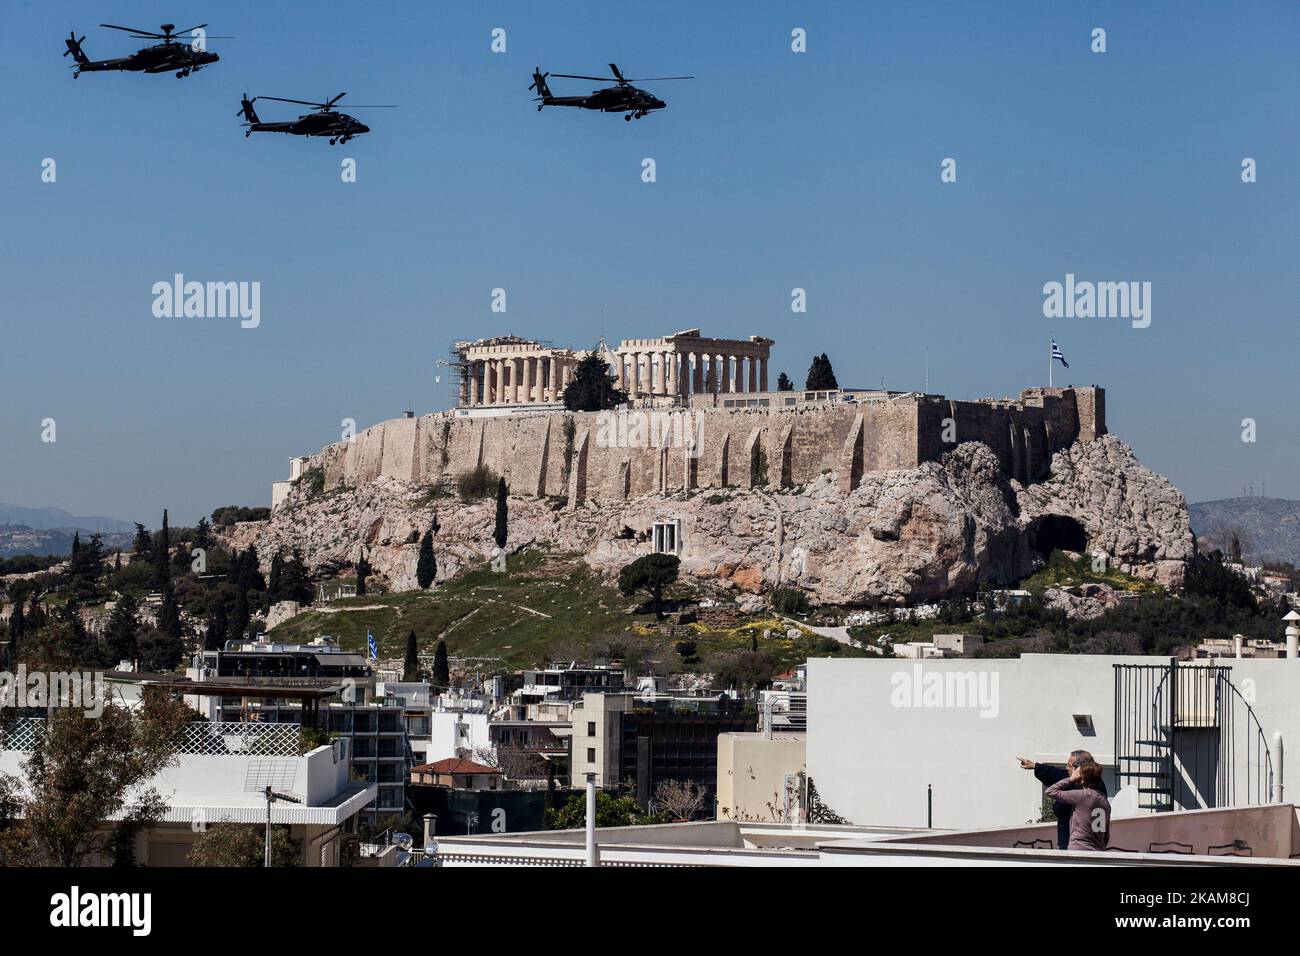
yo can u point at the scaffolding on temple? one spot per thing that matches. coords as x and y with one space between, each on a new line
456 366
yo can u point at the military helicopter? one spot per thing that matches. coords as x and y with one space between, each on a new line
326 121
622 97
182 56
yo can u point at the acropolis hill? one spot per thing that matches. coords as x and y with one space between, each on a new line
855 495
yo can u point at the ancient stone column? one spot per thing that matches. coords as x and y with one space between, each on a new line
490 381
673 384
528 380
725 386
753 374
660 367
471 373
697 372
762 373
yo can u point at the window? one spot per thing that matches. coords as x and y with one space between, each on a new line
667 536
591 728
591 755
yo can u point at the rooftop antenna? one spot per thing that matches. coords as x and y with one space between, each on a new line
273 778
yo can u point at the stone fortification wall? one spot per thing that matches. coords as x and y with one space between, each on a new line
602 457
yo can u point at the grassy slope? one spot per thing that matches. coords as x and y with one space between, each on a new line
485 614
1060 571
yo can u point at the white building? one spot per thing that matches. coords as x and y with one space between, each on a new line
220 776
885 737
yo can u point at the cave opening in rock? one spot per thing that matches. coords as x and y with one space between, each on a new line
1057 532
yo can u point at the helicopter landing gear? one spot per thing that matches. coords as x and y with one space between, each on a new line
182 74
627 117
333 141
247 133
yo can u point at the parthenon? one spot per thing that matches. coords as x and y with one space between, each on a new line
508 371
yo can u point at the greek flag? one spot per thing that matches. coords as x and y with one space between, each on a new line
372 646
1059 355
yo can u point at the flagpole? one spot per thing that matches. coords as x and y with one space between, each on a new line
1049 365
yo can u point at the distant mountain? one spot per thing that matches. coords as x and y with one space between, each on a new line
1270 527
18 539
51 518
50 530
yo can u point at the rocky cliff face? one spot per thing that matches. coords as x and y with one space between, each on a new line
1127 512
899 537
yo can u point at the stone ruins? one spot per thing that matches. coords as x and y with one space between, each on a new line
858 496
509 372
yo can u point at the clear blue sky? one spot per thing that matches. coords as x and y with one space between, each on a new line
775 170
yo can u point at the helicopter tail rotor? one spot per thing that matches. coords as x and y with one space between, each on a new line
246 110
539 84
74 47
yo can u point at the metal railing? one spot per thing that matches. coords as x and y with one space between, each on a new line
1187 739
197 738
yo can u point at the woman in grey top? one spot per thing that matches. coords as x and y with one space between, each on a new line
1090 819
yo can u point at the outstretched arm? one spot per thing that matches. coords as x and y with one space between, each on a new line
1048 775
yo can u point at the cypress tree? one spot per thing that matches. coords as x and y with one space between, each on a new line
499 532
120 632
295 582
363 572
162 557
821 376
411 667
441 670
169 615
248 561
240 615
274 585
218 628
593 388
426 567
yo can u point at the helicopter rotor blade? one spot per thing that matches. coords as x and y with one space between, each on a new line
652 79
577 76
188 29
336 99
135 30
613 68
281 99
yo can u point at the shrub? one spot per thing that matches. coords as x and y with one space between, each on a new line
789 601
481 482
